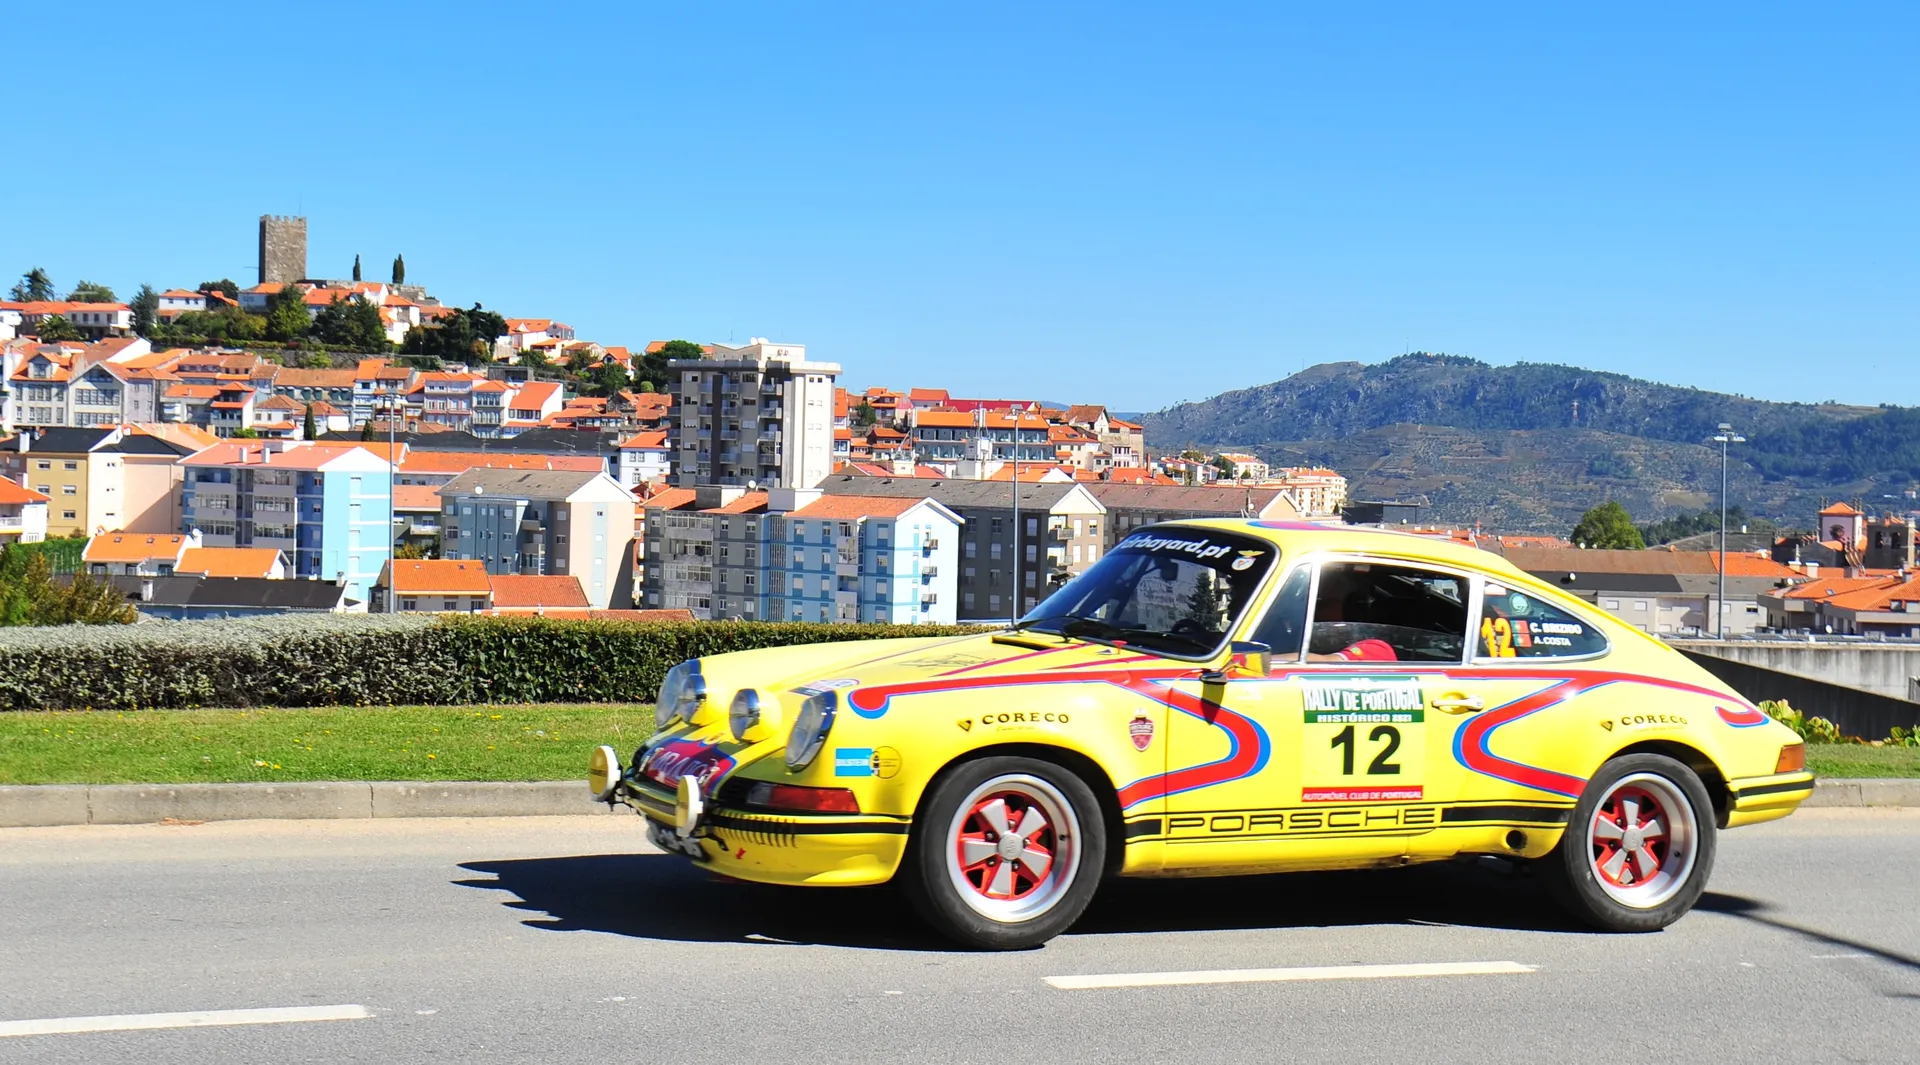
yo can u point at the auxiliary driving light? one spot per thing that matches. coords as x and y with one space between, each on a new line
603 773
688 806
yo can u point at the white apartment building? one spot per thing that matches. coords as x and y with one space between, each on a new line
759 414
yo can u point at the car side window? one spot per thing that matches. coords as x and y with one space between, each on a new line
1284 628
1382 612
1517 625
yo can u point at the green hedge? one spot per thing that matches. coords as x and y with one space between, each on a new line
374 660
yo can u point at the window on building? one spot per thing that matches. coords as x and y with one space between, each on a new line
1611 604
993 603
970 545
993 549
1033 526
408 603
68 515
43 464
67 490
1639 604
70 465
996 527
966 600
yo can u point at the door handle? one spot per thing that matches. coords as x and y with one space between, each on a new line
1456 703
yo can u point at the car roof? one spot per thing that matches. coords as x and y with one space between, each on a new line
1301 537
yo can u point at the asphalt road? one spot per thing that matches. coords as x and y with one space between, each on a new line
547 939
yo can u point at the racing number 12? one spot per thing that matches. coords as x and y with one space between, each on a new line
1345 741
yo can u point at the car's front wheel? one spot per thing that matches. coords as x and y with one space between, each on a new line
1007 853
1638 848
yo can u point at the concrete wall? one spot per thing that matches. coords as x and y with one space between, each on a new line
1877 668
1863 714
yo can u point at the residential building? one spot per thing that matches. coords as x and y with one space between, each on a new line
1130 506
175 302
23 514
416 517
758 414
325 505
421 466
101 479
800 554
1882 607
1243 467
97 320
1662 593
645 456
947 436
446 398
544 522
1316 490
136 554
529 405
433 585
1062 529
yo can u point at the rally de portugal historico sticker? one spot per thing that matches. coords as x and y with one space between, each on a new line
1364 739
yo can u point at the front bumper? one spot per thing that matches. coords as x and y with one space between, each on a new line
825 850
1768 798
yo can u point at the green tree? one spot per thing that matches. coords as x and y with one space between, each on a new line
366 431
1607 526
864 415
287 317
29 594
531 358
225 286
146 310
246 432
399 269
410 551
34 287
92 292
55 327
356 266
653 364
607 379
310 430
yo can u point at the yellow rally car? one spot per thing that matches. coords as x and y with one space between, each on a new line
1215 697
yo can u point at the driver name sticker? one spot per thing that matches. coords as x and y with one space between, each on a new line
1363 739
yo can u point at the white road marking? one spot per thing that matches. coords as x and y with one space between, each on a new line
1266 976
131 1022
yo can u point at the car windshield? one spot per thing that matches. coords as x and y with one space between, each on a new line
1166 590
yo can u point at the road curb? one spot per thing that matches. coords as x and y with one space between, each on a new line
40 805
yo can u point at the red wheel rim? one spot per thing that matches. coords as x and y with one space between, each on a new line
1006 845
1630 838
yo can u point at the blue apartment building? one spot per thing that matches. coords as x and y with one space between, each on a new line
324 505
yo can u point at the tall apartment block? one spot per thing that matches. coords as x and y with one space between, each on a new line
759 414
283 248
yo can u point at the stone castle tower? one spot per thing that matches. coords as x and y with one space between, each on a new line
283 248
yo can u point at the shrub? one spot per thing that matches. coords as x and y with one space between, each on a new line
324 660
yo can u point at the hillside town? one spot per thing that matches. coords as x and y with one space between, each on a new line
540 472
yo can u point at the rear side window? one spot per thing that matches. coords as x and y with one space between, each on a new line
1514 624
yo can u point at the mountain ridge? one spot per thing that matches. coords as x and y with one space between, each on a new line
1533 444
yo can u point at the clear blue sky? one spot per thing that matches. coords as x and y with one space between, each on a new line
1104 203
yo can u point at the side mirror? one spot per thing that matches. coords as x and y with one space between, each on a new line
1259 657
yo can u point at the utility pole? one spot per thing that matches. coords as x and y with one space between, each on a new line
1014 610
393 474
1724 437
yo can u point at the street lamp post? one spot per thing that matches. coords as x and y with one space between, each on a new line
1724 437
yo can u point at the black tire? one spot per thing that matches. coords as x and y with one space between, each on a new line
1036 902
1599 879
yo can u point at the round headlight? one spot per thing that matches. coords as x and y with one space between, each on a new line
681 693
810 728
744 713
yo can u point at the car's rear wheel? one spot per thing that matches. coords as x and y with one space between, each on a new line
1007 854
1638 848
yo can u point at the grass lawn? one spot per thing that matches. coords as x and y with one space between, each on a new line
333 743
1849 760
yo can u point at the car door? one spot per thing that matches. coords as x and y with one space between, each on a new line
1531 662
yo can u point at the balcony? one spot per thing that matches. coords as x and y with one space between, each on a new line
928 573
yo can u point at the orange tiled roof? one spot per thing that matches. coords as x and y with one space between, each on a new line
670 499
1743 565
415 497
440 575
849 507
132 547
748 503
13 495
1879 597
1839 510
228 561
651 440
515 590
458 462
